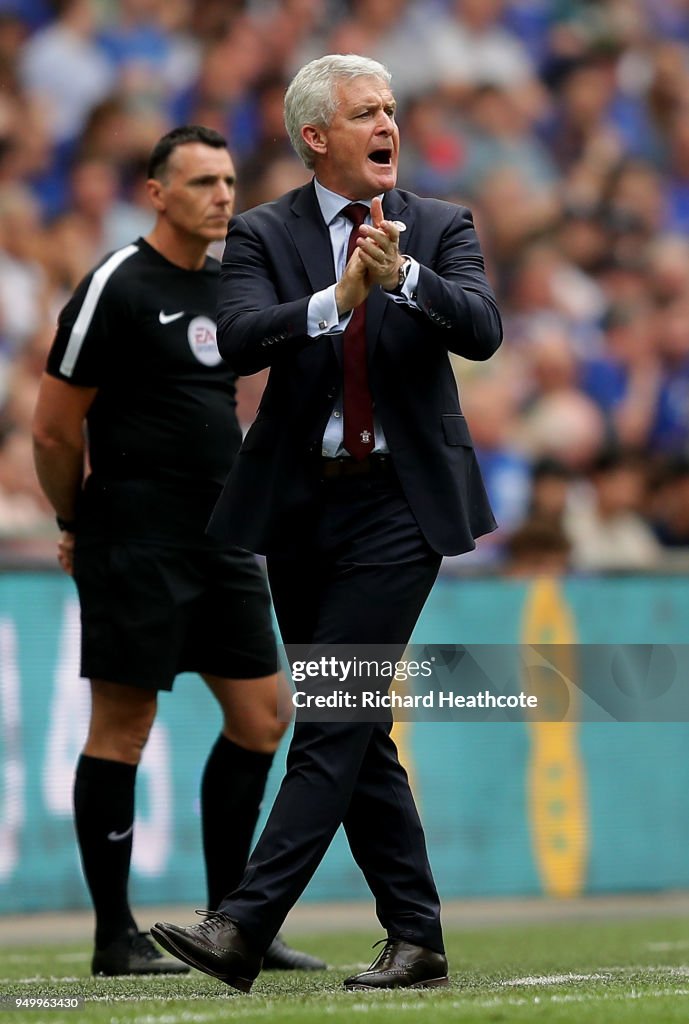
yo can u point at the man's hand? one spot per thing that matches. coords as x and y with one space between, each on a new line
379 248
65 552
354 286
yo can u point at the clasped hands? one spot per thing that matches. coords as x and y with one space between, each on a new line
375 260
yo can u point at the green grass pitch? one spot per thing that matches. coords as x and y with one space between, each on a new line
603 973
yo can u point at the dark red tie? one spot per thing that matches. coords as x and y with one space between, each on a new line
357 400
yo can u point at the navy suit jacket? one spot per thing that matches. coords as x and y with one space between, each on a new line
277 255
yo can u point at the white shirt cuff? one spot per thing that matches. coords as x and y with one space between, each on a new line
321 314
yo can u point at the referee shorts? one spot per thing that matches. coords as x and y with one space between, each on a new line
149 612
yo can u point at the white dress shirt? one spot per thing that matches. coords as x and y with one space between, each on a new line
322 315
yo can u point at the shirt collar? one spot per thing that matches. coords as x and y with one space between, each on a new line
332 204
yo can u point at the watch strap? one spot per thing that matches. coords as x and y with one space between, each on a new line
402 275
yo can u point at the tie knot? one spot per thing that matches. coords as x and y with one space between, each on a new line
357 213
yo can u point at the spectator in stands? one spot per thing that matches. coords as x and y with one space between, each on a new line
605 523
65 68
625 379
668 266
500 136
472 46
671 427
669 501
550 488
22 277
394 32
564 126
435 149
23 510
491 407
539 547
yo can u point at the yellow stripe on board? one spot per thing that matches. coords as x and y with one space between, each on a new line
401 736
556 790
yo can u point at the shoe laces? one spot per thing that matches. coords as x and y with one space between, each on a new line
214 922
385 951
142 945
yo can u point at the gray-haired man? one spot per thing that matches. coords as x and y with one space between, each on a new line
356 477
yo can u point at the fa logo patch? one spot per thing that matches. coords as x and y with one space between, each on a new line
201 337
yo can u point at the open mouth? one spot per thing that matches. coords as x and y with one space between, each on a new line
382 157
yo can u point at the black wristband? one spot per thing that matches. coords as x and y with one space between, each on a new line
66 525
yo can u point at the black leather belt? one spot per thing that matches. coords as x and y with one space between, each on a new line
372 465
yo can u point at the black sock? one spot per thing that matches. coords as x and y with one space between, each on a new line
103 811
232 788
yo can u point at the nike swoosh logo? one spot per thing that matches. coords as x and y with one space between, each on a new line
117 837
167 318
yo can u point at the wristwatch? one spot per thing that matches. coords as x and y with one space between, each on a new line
66 525
402 275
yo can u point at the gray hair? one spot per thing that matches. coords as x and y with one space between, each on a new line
311 99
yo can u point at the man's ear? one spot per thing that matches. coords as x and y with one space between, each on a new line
315 138
155 194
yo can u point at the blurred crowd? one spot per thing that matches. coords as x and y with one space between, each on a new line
563 124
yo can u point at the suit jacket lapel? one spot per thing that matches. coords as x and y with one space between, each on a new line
394 206
311 238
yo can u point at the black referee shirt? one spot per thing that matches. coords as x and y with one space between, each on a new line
163 429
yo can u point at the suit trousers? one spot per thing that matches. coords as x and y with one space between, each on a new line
360 574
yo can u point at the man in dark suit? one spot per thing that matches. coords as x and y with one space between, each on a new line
356 477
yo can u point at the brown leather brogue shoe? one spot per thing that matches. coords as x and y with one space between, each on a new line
402 965
216 947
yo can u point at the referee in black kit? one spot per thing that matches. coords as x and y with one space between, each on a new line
136 361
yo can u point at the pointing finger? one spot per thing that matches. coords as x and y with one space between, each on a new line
377 212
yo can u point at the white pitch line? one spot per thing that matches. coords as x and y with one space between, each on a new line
156 997
173 1018
554 979
654 993
38 979
564 979
671 969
